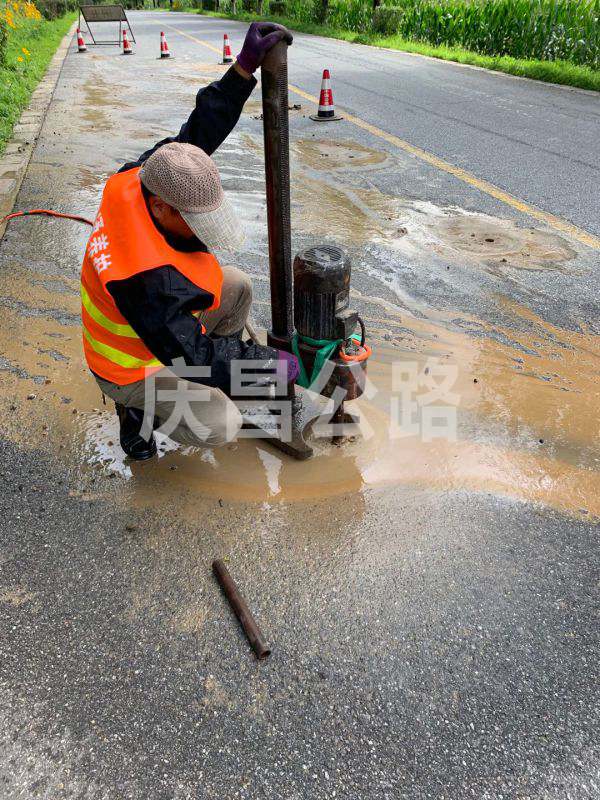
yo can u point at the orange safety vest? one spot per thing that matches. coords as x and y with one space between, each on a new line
125 242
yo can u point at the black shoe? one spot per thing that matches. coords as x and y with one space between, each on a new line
133 444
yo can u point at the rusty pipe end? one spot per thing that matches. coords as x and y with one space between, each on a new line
263 653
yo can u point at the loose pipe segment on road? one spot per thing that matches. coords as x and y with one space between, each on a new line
243 613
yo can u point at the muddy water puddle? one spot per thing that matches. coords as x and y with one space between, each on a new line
248 470
519 434
528 422
528 419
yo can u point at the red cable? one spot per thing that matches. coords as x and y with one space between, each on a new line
45 212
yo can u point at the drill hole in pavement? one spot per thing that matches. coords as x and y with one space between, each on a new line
485 238
323 154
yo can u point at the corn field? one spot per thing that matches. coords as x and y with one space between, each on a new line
547 30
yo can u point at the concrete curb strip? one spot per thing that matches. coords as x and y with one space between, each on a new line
16 158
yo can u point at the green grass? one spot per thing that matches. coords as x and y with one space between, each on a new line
561 72
18 79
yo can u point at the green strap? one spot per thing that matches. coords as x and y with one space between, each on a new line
326 349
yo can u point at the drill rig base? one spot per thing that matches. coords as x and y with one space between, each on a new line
264 416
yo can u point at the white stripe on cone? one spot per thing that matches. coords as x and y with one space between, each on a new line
164 47
227 57
326 106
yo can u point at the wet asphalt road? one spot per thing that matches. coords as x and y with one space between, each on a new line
426 644
533 140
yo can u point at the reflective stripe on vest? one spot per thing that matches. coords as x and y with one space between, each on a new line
117 356
102 320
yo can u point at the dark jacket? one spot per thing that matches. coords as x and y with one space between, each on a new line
158 303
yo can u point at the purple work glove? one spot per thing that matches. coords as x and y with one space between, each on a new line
261 37
258 352
293 368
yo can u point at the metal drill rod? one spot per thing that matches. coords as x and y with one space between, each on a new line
274 80
338 418
242 612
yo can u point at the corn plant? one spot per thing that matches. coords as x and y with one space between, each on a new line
547 30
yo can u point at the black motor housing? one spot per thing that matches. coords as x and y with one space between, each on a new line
322 293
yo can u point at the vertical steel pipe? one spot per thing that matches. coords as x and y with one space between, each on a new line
277 173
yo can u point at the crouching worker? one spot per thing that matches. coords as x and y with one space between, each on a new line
153 294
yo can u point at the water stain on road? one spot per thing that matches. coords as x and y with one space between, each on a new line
212 69
99 93
89 179
99 100
324 154
496 240
528 423
16 596
414 228
325 206
345 215
254 109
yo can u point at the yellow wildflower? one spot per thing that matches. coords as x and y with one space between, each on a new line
19 58
25 51
33 10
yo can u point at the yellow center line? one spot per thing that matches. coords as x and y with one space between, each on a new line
559 224
551 220
195 39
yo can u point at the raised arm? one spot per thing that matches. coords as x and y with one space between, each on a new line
219 105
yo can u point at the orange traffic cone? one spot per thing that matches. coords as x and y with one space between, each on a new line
81 48
164 47
326 111
227 57
127 51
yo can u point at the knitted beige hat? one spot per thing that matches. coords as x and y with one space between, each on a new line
185 177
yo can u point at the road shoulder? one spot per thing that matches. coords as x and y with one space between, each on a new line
16 158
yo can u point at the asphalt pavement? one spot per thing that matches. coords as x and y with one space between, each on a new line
432 607
537 141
